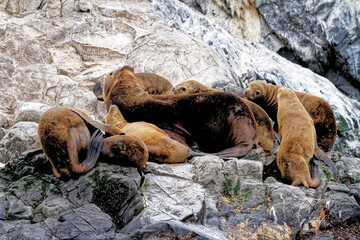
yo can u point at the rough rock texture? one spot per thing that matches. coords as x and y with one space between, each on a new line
53 53
321 35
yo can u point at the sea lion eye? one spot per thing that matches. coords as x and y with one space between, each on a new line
111 74
257 93
183 89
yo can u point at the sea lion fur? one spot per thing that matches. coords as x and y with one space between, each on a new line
214 121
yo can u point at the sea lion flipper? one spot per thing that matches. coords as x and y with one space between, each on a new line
320 155
197 153
112 130
98 91
30 153
94 149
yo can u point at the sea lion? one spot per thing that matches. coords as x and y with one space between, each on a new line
65 138
297 140
216 121
263 123
324 119
160 146
149 82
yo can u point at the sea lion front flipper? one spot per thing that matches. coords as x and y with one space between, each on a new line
94 150
30 153
98 91
320 155
112 130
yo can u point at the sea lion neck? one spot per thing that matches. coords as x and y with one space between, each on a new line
271 97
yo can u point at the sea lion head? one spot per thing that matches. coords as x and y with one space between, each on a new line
112 76
297 172
125 150
188 87
114 116
255 90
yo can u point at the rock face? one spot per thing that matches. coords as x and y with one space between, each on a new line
322 35
52 52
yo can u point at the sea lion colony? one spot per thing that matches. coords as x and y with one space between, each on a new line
217 122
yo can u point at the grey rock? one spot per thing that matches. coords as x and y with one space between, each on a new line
337 187
341 205
322 35
28 232
21 137
86 222
29 111
54 207
355 191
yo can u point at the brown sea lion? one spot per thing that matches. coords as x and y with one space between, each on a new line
149 82
297 140
324 119
161 147
67 139
216 121
263 123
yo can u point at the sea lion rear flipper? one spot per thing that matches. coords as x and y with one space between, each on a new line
239 150
94 150
320 155
197 153
98 91
112 130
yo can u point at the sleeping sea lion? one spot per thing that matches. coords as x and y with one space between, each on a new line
263 123
73 145
160 146
149 82
297 140
216 121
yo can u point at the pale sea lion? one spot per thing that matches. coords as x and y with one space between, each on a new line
160 146
216 121
73 145
297 140
263 123
149 82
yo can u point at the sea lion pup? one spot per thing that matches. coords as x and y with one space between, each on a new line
65 138
160 146
149 82
216 121
263 123
297 140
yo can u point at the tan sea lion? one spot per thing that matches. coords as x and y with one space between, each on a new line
73 145
297 140
149 82
263 123
160 146
216 121
324 119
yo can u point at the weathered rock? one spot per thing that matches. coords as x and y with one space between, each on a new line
29 112
21 137
341 205
323 36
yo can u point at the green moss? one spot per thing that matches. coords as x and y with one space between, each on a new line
245 194
145 186
329 174
342 126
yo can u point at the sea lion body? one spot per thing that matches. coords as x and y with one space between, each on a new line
149 82
297 139
265 95
160 146
215 121
263 123
65 138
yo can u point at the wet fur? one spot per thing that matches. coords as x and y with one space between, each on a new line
297 140
215 121
263 123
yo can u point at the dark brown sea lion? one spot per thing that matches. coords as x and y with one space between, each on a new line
66 138
160 146
149 82
263 123
216 121
297 140
324 119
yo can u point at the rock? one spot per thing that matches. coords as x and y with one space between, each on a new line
322 36
341 205
29 112
21 137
